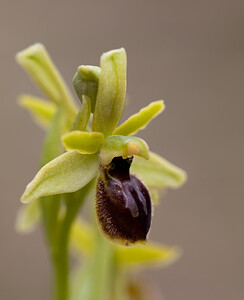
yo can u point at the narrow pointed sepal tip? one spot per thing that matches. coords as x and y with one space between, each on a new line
21 55
123 204
24 198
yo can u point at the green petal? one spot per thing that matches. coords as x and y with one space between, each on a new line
37 62
28 217
85 82
82 141
83 116
150 255
111 91
158 172
82 238
125 146
41 110
140 120
67 173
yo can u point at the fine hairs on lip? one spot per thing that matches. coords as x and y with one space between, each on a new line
123 203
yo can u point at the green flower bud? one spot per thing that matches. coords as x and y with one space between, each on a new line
85 82
123 204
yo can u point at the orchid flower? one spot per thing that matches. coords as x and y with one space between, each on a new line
88 147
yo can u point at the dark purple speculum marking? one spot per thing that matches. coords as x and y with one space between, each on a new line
123 203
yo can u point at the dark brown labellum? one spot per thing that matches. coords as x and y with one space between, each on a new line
123 204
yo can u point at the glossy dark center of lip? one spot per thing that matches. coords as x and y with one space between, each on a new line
123 203
120 168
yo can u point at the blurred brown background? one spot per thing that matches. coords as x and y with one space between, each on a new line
191 54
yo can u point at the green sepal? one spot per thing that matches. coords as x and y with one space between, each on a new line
83 141
149 255
83 116
28 217
85 82
82 237
152 254
155 194
158 172
51 149
111 91
52 146
140 120
41 111
37 62
65 174
96 272
125 146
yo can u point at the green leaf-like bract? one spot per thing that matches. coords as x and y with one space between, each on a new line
67 173
158 172
140 120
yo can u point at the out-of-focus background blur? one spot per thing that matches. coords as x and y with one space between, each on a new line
189 53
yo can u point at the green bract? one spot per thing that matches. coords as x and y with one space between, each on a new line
83 147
